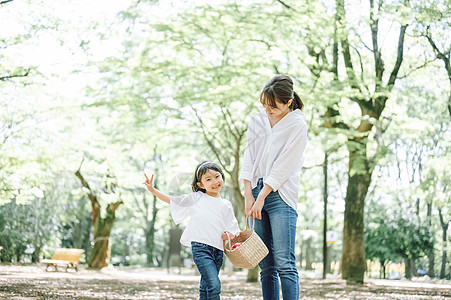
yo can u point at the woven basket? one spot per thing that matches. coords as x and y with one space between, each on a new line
249 253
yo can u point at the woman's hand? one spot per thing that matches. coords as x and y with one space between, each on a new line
256 210
149 183
225 237
249 201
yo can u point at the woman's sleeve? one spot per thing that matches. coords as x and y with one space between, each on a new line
181 206
289 161
231 224
249 152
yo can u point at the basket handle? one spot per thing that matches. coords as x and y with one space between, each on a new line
247 227
253 223
228 239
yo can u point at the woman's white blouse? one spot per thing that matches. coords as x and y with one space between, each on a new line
276 154
210 216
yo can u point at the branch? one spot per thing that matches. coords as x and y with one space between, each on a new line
439 54
345 45
261 41
378 62
284 4
361 69
113 206
5 1
82 179
94 202
427 62
5 78
209 141
397 66
445 58
226 113
138 204
442 222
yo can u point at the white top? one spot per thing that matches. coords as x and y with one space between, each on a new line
276 154
210 216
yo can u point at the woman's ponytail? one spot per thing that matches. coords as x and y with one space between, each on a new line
297 102
280 88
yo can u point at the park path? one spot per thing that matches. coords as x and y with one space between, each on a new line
32 282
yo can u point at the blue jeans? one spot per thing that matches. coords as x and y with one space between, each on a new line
208 260
277 229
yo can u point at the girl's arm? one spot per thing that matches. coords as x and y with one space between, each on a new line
149 184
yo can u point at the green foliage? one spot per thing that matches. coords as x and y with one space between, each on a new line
396 234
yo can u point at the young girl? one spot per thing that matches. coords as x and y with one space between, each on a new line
211 219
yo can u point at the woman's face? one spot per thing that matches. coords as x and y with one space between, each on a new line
279 111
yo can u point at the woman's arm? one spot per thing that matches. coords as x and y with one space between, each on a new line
248 197
149 184
256 210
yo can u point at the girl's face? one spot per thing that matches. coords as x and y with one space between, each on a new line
212 182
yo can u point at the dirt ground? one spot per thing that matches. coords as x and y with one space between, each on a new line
32 282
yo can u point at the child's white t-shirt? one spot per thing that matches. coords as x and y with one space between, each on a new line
210 217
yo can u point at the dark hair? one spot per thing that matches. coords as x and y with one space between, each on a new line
201 169
280 88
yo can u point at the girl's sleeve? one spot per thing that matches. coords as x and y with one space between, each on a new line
289 161
249 152
181 206
231 224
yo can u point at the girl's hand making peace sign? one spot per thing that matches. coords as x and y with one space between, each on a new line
149 183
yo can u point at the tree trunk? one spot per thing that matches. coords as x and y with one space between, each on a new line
329 260
308 255
37 252
359 179
444 253
431 254
408 268
100 256
383 268
252 275
238 197
150 233
325 195
444 263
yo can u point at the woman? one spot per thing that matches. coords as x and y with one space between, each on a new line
276 140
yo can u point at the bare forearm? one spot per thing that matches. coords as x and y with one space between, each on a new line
160 195
247 187
264 192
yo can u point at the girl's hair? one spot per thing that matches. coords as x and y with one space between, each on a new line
201 169
280 88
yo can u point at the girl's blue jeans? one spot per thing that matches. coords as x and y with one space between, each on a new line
277 229
208 261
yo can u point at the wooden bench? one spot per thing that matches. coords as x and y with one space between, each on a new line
64 256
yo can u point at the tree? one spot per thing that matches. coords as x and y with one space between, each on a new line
396 233
379 244
437 183
100 256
